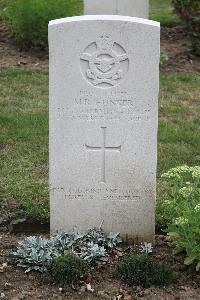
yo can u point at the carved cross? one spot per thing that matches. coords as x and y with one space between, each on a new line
103 150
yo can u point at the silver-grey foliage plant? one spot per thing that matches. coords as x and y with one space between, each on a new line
36 253
146 248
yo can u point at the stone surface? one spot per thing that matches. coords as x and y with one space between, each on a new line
133 8
104 82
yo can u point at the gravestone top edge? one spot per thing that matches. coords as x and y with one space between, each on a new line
104 18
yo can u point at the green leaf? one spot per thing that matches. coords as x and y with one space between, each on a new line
189 260
174 234
198 266
178 250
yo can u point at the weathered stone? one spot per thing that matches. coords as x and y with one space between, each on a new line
133 8
104 81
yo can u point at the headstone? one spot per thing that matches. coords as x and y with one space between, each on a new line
104 81
134 8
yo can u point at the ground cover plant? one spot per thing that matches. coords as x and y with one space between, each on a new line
181 211
66 256
144 270
24 135
67 269
93 247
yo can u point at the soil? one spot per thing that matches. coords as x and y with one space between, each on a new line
16 285
174 43
13 56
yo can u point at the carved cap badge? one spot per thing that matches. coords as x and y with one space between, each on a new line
104 62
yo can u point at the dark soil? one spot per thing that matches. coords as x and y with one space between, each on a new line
176 45
173 42
15 284
13 56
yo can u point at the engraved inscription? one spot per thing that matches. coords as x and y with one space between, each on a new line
110 105
89 194
104 62
103 148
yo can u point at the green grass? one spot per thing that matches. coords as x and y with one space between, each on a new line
24 133
3 5
179 122
24 139
163 12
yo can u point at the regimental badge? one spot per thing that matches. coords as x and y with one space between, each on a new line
104 62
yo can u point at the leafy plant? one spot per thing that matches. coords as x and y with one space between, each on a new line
96 235
113 239
144 270
189 12
181 211
67 269
36 253
146 248
65 240
28 19
92 252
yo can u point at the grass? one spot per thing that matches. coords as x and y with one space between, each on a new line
24 133
179 111
163 12
3 5
24 139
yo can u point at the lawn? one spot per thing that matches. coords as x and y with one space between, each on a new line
24 133
24 139
163 11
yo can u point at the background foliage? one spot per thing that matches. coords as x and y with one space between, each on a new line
28 19
163 12
189 13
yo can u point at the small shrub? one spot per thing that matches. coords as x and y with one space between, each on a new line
189 13
67 269
144 270
181 210
28 19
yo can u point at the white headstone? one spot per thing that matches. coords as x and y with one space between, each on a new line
133 8
104 82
